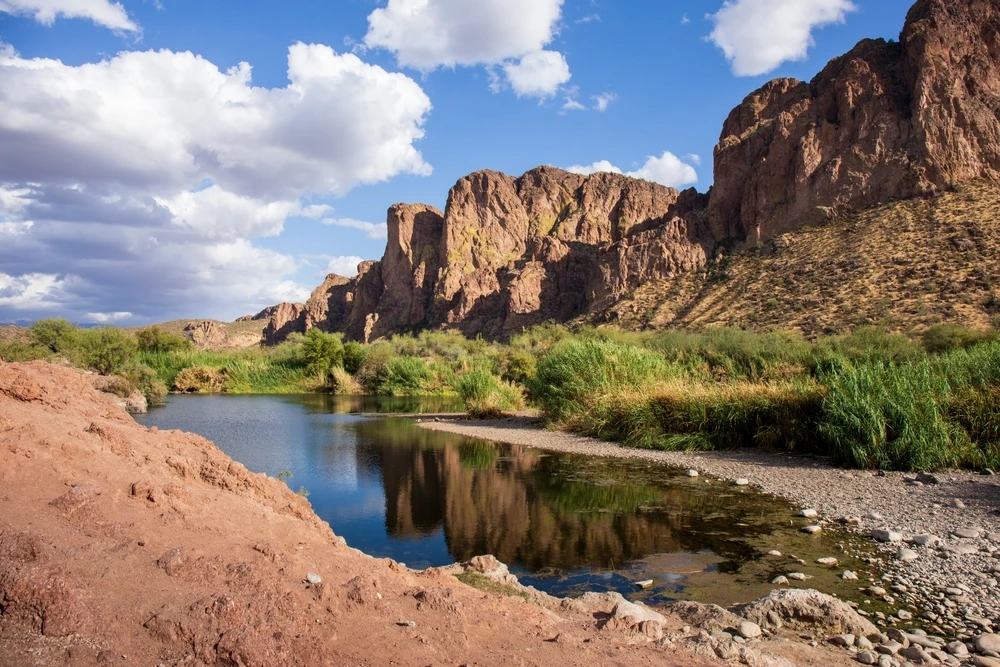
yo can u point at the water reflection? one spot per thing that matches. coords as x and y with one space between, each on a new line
564 523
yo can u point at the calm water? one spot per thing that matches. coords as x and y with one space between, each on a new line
565 524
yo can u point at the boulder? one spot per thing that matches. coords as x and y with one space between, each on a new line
806 607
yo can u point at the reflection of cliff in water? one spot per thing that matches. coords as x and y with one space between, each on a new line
540 510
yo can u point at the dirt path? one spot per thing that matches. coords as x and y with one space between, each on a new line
929 506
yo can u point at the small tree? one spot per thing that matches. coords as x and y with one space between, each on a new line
354 356
56 334
155 339
109 349
322 352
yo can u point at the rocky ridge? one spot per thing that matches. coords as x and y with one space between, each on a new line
886 121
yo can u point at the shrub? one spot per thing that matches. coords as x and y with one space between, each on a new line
354 356
374 369
574 373
877 415
339 381
154 339
200 380
864 344
947 337
57 335
519 366
107 350
404 375
322 352
143 378
485 395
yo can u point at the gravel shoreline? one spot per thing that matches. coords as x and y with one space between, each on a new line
953 579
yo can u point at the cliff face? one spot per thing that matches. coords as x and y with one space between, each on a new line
886 121
509 253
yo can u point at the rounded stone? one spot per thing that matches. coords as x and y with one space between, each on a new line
748 630
692 473
809 513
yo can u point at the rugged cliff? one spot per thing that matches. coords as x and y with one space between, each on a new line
886 121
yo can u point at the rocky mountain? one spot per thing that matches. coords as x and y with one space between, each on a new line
886 121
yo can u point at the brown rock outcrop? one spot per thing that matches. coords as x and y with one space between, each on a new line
885 121
286 318
888 120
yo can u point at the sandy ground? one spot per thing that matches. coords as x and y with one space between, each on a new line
126 546
935 507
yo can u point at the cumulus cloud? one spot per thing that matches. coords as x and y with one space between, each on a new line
137 184
511 34
426 34
107 318
759 35
373 230
108 14
667 169
538 74
342 265
602 101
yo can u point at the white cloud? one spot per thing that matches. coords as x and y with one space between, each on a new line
693 158
509 34
759 35
588 18
346 266
599 166
426 34
667 170
685 20
538 74
602 101
108 14
373 230
104 318
571 104
34 290
145 177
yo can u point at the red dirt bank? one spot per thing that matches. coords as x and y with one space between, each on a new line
126 546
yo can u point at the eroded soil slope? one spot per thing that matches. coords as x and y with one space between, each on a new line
121 545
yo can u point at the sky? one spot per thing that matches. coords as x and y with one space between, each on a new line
167 159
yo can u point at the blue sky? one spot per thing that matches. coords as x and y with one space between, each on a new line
140 183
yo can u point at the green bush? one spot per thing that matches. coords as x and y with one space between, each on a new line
322 352
948 337
519 366
877 415
404 375
354 356
487 396
576 372
143 378
108 349
57 335
153 339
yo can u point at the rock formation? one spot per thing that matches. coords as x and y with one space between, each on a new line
888 120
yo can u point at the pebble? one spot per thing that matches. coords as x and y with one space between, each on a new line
886 535
849 576
645 583
907 555
798 576
812 530
983 661
962 549
314 578
904 615
925 540
774 552
956 503
742 481
748 630
407 624
867 658
692 473
809 513
987 642
780 581
889 647
843 640
873 516
827 561
957 649
967 533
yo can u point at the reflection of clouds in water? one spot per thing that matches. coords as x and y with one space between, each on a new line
339 461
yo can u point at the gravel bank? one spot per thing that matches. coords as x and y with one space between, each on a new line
953 579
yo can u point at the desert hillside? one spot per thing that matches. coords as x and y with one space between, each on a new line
905 265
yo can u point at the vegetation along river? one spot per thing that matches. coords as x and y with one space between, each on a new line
566 524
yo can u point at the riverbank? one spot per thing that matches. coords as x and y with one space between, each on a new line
932 508
124 545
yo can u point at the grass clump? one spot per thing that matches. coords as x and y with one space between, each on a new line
486 396
200 380
487 585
